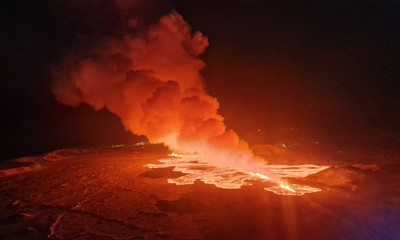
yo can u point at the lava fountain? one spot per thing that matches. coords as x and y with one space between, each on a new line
150 78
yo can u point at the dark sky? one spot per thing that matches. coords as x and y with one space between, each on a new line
327 70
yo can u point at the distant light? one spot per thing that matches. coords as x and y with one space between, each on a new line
117 145
282 145
259 130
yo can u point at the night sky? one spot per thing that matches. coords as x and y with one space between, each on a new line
298 72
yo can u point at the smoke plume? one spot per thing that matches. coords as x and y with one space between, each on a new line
150 78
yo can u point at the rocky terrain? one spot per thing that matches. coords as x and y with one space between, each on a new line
107 193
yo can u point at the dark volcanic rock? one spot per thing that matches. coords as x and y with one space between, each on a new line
109 194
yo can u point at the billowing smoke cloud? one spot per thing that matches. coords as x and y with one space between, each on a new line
151 79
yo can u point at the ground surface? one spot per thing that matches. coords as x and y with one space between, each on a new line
108 194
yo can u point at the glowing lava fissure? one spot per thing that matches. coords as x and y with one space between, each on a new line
196 168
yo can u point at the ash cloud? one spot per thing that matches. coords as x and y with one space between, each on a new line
149 76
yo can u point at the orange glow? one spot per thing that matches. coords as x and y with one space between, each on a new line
150 78
152 82
196 168
286 186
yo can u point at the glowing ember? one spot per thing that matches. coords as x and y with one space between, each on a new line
197 169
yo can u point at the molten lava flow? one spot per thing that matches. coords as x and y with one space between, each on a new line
280 182
286 186
196 168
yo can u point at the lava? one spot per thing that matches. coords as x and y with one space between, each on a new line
280 182
286 186
196 168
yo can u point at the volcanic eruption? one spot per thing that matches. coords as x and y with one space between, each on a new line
86 183
151 80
